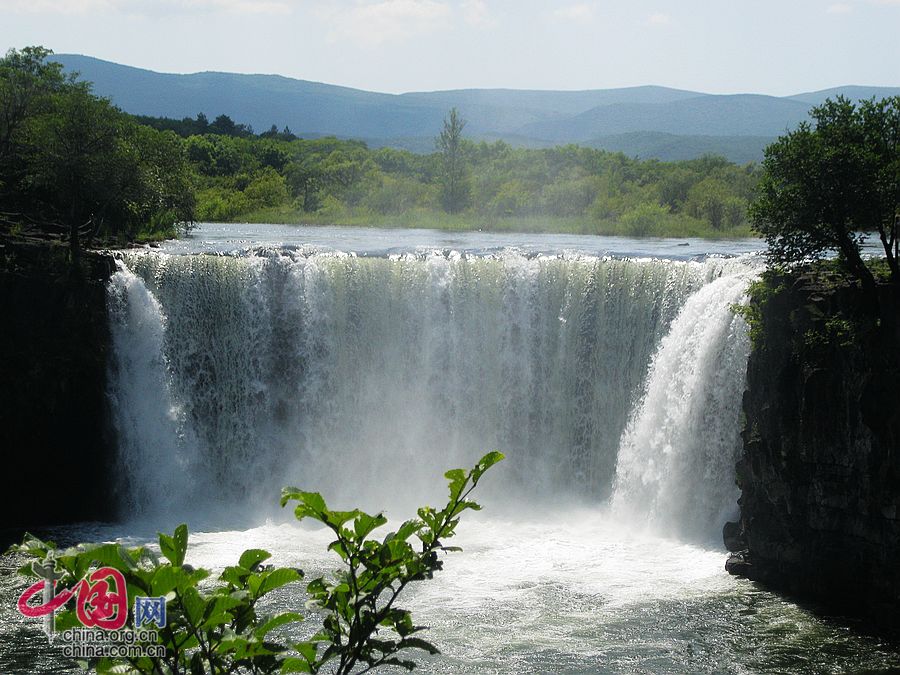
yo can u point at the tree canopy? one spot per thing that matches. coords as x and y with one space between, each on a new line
454 174
73 164
829 183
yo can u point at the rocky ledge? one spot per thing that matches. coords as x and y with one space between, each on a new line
53 405
820 471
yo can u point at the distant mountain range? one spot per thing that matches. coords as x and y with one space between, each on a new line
645 122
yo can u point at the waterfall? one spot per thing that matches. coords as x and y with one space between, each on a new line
675 468
148 423
365 377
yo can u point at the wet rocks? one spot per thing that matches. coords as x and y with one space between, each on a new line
820 471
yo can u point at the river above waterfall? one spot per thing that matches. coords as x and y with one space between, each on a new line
362 363
235 237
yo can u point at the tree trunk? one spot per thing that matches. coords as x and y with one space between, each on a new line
858 268
74 242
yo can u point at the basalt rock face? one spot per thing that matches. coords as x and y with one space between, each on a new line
820 472
57 449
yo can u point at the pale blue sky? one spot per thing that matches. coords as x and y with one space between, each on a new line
724 46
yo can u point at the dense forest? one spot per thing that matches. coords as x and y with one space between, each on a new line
275 176
75 167
72 162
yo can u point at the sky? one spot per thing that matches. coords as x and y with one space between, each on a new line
777 47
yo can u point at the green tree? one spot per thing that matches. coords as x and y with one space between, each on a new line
305 178
91 169
73 163
27 85
267 189
712 200
829 182
26 82
76 163
643 220
454 175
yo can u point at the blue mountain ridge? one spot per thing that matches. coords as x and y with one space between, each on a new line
643 121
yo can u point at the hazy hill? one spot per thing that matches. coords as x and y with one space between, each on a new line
741 115
672 147
642 121
853 92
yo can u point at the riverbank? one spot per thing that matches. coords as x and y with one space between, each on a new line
668 227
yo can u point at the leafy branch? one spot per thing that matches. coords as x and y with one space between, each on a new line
217 628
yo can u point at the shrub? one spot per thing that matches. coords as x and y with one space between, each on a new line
217 628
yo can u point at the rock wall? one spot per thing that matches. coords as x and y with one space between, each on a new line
53 423
820 472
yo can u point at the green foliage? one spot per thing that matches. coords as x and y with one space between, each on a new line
125 177
568 189
643 220
209 629
217 627
72 164
835 330
827 183
759 293
454 175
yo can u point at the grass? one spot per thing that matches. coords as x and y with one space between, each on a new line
676 226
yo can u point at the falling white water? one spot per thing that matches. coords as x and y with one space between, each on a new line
148 423
234 375
365 377
675 467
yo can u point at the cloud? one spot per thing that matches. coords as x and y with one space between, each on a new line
476 13
235 6
659 19
146 7
851 6
372 24
579 12
58 6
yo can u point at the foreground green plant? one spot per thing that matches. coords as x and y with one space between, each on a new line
216 628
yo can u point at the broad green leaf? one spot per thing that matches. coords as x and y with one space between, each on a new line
489 460
458 480
253 557
221 603
218 619
194 605
276 621
308 649
295 665
165 579
338 518
403 533
314 501
110 555
364 524
235 575
338 547
181 542
277 578
167 546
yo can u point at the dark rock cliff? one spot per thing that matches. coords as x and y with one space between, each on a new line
54 433
820 472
